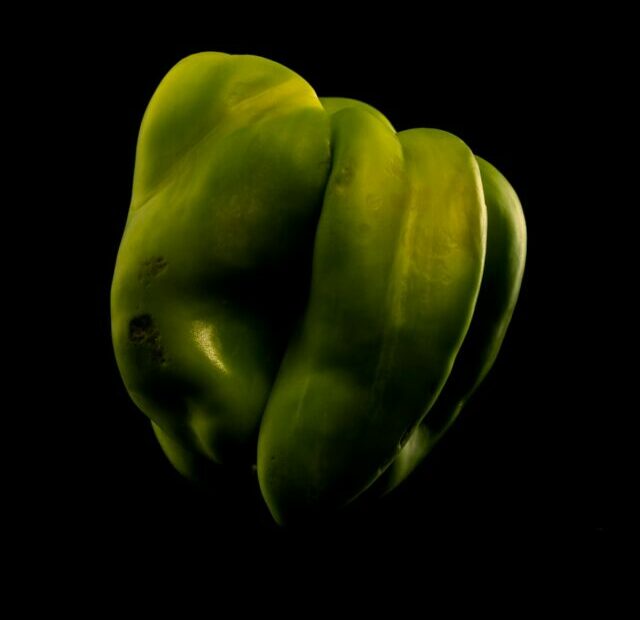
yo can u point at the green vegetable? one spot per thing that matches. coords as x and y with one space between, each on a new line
301 287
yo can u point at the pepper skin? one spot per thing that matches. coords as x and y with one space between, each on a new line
503 271
296 282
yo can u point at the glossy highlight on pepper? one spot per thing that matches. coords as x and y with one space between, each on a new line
303 289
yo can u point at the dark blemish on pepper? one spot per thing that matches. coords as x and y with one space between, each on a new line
143 332
151 268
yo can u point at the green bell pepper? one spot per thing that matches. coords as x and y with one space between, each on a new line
301 288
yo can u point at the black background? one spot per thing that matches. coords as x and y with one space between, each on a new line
531 453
